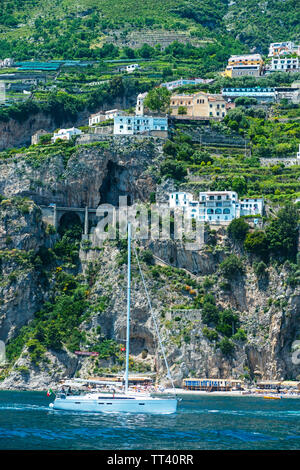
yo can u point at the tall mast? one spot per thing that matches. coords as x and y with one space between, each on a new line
128 306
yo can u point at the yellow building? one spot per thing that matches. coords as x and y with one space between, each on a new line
198 105
239 65
250 59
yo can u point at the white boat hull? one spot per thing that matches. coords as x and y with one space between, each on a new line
116 405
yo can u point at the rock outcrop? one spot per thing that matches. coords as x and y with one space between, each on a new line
22 233
15 134
268 306
94 173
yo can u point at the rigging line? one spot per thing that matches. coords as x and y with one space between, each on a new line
154 319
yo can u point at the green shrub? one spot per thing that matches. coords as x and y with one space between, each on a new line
260 269
147 256
226 346
256 242
282 233
36 350
238 229
231 267
173 169
240 335
210 312
227 322
210 334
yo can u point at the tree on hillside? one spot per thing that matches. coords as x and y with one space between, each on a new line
282 233
239 185
231 267
237 229
158 100
256 242
174 170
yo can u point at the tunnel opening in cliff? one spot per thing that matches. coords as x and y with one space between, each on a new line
70 222
114 185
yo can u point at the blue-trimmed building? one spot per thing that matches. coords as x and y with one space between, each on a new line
219 207
186 81
139 124
212 385
266 94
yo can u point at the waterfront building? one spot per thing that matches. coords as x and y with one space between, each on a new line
212 385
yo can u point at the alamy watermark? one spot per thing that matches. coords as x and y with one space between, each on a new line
148 222
296 352
2 353
2 92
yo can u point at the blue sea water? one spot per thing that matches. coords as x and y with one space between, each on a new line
202 422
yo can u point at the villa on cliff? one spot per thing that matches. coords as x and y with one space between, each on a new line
65 134
215 206
277 49
198 106
141 123
103 116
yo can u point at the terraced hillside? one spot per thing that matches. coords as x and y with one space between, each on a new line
51 29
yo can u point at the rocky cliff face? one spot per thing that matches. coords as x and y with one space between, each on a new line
268 306
22 233
93 174
14 134
268 309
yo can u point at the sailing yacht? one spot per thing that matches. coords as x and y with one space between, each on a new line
125 401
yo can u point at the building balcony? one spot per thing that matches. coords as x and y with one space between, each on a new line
228 203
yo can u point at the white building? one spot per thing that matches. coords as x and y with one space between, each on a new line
292 94
130 68
65 134
102 116
179 199
6 63
140 123
283 48
284 64
216 206
251 206
298 155
185 81
139 109
130 125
